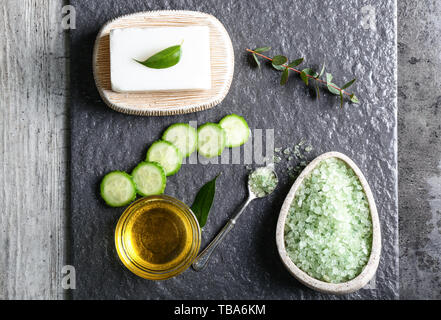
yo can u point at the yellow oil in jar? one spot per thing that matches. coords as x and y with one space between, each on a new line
158 236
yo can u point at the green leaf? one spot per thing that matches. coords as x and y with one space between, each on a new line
323 70
304 77
329 77
341 99
307 72
278 67
295 63
279 60
263 49
310 72
285 76
292 64
332 89
318 91
256 59
164 59
330 84
204 201
354 99
350 83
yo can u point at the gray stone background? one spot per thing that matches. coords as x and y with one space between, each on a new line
419 148
34 148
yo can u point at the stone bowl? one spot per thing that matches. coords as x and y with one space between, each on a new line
371 267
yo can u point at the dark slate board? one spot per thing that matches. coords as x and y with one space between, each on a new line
247 265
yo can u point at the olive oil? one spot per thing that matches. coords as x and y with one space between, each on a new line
156 235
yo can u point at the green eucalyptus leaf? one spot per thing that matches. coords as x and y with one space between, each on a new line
310 72
354 99
285 76
295 63
323 70
278 67
329 77
330 84
263 49
204 201
332 89
350 83
256 60
279 60
164 59
304 77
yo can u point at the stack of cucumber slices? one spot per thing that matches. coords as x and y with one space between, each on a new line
164 158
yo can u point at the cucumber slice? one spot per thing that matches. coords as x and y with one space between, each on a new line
118 189
236 129
211 140
167 155
183 136
149 178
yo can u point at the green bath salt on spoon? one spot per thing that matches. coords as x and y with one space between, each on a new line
261 183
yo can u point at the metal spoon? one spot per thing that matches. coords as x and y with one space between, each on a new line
202 260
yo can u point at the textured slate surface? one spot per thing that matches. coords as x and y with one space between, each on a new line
247 264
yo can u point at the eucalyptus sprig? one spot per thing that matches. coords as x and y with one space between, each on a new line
280 63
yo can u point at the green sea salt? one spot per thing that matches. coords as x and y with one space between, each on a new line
308 149
263 181
328 231
277 159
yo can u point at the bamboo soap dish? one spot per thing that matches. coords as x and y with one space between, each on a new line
160 103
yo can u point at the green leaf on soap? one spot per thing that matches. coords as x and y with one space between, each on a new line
164 59
204 201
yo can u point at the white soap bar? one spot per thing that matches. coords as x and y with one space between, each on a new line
192 72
